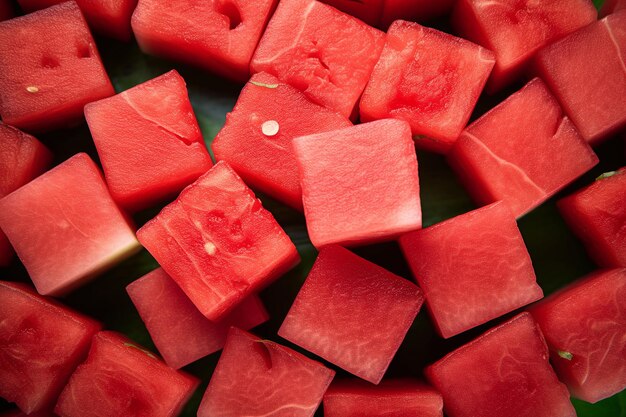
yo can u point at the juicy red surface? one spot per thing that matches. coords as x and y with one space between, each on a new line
428 78
218 242
120 378
268 162
472 268
180 332
148 141
359 184
352 313
220 35
369 11
611 6
46 80
522 151
504 372
326 54
414 10
586 72
41 342
61 244
256 377
6 10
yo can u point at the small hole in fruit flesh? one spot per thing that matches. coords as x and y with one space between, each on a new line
49 62
231 12
83 51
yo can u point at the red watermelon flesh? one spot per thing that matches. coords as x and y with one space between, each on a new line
359 184
41 342
18 413
428 78
326 54
522 151
352 313
256 377
256 139
220 35
414 10
46 80
148 141
6 10
587 74
611 6
369 11
504 372
180 332
584 327
61 244
120 378
516 29
472 268
391 398
218 242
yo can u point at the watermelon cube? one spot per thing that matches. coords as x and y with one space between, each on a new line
504 372
611 6
516 29
320 51
522 151
352 313
472 268
61 244
218 242
585 71
359 184
403 397
46 80
41 342
257 377
428 78
22 158
369 11
584 326
180 332
414 10
119 378
219 35
256 139
148 141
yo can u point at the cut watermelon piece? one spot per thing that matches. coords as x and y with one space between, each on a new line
46 80
516 29
352 313
256 139
414 10
393 398
320 51
18 413
218 242
120 378
586 72
257 377
22 158
584 327
219 35
180 332
61 244
472 268
611 6
597 215
504 372
428 78
369 11
348 199
41 342
6 10
148 141
522 151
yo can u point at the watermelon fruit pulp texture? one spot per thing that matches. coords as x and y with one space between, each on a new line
41 342
522 151
369 11
46 80
148 141
120 378
261 151
428 78
218 242
342 167
352 313
256 377
180 332
611 6
320 51
60 243
472 268
220 35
